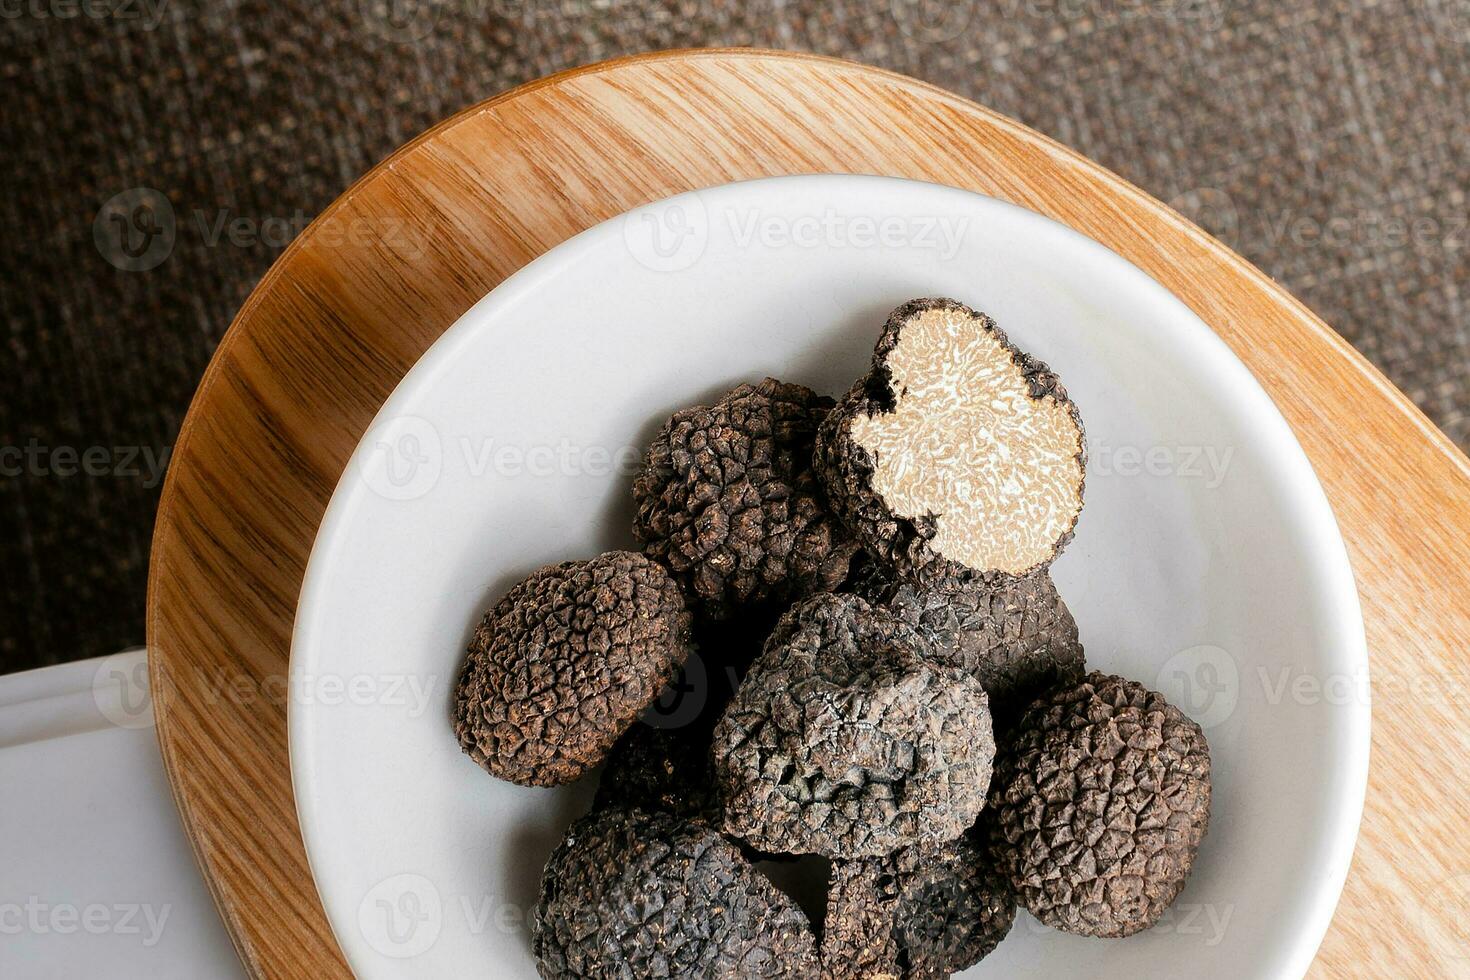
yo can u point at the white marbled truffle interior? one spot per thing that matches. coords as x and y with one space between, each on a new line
967 442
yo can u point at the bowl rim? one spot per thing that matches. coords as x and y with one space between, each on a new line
1330 554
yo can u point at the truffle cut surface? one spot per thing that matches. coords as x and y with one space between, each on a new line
957 450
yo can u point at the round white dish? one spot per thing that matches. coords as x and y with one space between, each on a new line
1207 562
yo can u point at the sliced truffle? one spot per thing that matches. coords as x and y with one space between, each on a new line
629 895
957 453
1099 805
846 740
1014 633
917 914
728 500
565 662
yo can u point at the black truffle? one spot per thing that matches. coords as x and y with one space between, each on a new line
917 914
846 740
728 500
731 646
663 762
629 895
662 769
1013 633
565 662
1099 805
957 453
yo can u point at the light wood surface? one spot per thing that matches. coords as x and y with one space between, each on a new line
358 297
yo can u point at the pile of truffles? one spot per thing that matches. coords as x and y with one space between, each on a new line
886 680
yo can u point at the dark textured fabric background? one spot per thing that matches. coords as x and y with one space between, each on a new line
1326 141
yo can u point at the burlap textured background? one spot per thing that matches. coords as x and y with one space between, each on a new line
1327 141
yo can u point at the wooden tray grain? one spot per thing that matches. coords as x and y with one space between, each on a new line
357 298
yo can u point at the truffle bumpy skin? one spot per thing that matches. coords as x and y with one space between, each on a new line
917 914
565 662
1015 634
846 741
663 762
1099 805
629 895
665 770
957 453
727 499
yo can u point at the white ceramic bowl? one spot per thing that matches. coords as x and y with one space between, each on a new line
1207 563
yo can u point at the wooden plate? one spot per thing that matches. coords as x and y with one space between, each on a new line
350 306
